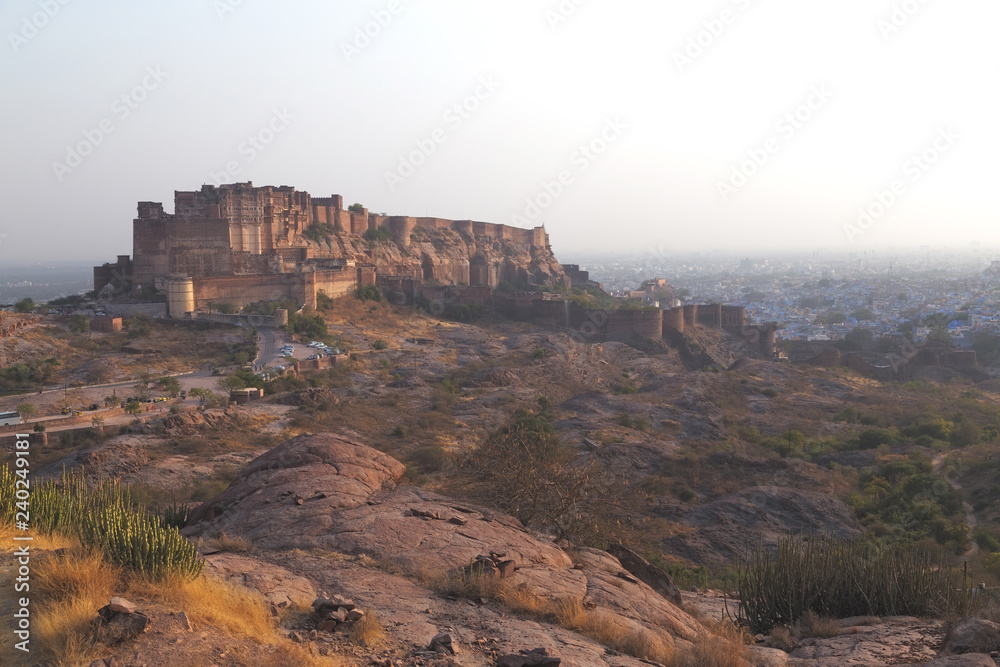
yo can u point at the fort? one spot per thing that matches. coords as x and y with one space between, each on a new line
238 245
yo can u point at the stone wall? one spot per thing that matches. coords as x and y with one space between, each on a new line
133 309
199 248
245 290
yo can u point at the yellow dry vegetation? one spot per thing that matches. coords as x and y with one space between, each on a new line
722 645
68 589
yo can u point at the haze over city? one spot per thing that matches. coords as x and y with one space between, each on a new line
620 126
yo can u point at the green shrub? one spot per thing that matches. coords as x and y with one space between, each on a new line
104 517
639 423
379 344
874 437
323 302
369 293
380 235
843 578
985 539
174 516
319 231
429 459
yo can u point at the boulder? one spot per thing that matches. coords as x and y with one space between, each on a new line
122 606
972 635
117 627
442 643
330 472
634 601
768 657
654 577
339 482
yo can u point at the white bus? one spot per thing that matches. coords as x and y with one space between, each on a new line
8 418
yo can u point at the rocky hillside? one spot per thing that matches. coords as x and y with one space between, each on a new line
445 250
359 482
327 513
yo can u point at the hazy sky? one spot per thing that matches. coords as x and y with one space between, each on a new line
673 126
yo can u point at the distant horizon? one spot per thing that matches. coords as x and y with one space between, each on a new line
733 125
571 256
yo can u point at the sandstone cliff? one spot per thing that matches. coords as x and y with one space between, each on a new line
446 256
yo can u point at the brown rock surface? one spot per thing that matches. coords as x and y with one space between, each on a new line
967 660
413 615
629 598
281 587
972 635
343 511
902 640
651 575
328 472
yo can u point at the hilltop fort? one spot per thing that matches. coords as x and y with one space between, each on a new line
239 244
242 244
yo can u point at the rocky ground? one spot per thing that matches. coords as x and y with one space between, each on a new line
368 507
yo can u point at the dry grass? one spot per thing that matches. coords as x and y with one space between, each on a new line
613 631
62 598
813 625
609 629
368 631
70 588
236 611
781 637
231 544
725 646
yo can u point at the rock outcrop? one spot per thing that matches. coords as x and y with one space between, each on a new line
278 586
329 492
290 495
972 635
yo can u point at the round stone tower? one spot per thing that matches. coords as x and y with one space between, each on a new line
402 228
180 298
